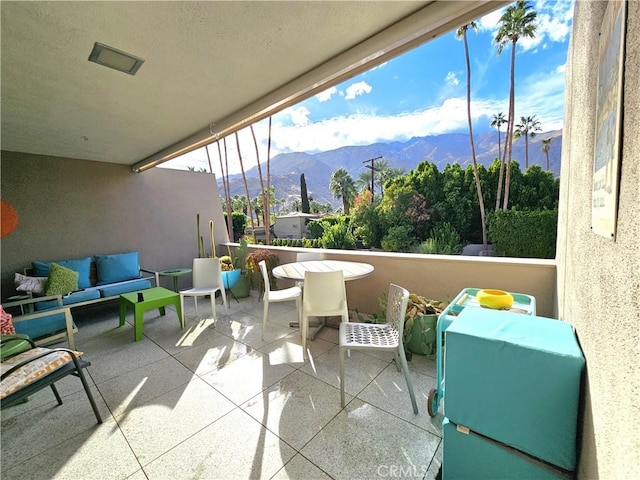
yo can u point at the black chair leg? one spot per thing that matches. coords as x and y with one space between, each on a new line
55 392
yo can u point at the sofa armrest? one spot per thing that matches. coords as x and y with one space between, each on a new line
155 274
29 301
54 336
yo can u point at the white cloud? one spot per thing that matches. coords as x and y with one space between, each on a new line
357 89
327 94
299 114
451 79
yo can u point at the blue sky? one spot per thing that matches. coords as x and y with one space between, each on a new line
420 93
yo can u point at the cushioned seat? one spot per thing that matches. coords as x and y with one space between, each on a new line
124 287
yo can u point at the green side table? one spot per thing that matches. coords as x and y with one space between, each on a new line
157 297
176 273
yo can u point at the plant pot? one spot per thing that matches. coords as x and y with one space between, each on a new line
242 288
230 278
423 335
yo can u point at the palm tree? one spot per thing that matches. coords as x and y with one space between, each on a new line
462 33
263 192
517 21
546 146
246 187
225 185
343 187
385 172
497 122
527 127
364 180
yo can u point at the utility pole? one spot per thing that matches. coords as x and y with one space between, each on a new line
372 167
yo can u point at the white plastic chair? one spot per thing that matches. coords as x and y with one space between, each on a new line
307 257
381 337
323 295
207 280
273 296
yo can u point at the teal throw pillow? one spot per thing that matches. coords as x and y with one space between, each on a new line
62 280
117 267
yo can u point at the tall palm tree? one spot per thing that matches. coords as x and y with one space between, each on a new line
271 192
497 122
518 21
263 192
227 192
462 33
246 187
527 128
364 180
343 187
546 146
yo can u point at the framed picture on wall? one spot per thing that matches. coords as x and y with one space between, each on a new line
608 131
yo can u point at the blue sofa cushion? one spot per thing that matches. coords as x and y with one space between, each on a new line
125 287
80 265
117 267
70 299
42 327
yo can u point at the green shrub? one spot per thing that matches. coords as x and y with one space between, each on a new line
524 234
398 239
338 236
239 221
316 228
444 241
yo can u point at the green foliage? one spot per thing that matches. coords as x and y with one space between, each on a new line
366 221
444 241
296 242
520 233
239 221
253 269
338 236
398 239
316 228
238 254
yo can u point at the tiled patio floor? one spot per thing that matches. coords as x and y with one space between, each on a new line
214 401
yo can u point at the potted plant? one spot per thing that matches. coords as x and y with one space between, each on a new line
233 266
253 259
420 323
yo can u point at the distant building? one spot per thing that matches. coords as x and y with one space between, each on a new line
293 225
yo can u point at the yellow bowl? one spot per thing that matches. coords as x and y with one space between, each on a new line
496 299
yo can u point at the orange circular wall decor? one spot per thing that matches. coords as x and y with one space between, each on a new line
9 218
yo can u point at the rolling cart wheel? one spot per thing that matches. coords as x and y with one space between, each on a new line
432 407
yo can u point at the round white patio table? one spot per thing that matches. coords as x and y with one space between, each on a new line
295 271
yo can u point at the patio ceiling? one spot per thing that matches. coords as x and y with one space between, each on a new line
210 67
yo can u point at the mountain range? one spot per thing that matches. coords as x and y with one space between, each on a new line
443 149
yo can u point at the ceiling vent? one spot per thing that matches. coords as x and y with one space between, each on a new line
112 58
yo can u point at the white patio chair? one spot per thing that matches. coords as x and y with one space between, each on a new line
307 257
273 296
381 337
323 295
207 280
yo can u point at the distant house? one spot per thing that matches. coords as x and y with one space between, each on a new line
293 225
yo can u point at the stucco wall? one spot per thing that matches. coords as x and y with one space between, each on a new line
71 208
439 277
599 279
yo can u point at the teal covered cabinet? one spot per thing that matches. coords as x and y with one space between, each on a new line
515 379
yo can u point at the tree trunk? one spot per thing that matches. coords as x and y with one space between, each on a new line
246 188
476 173
265 211
267 230
227 193
526 150
511 122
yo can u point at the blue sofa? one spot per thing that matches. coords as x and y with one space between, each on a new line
100 278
